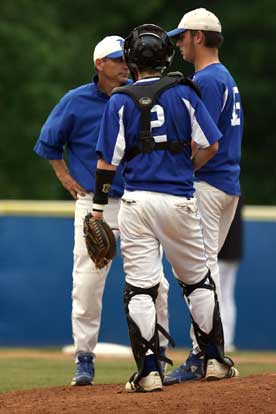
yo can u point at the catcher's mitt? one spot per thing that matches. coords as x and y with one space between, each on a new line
100 241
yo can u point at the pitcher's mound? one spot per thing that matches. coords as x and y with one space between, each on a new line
249 395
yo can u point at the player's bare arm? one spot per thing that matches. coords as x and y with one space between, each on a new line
66 179
204 154
194 149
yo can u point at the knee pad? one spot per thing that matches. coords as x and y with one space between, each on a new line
206 283
131 291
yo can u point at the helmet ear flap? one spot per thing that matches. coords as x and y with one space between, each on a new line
170 46
129 42
128 51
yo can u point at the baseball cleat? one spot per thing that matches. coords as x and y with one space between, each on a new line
152 382
192 369
215 370
85 370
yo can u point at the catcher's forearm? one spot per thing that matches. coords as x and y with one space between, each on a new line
102 187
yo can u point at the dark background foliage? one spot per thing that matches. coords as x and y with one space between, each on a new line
46 49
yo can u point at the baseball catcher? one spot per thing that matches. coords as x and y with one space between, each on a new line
100 241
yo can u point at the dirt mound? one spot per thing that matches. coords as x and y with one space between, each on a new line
253 394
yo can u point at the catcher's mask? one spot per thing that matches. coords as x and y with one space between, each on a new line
148 47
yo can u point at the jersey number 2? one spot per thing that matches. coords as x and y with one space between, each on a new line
158 123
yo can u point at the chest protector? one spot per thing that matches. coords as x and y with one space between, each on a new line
145 97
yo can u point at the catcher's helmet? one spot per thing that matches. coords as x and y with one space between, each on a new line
148 47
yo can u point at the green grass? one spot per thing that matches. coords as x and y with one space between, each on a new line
254 369
257 362
32 372
19 373
29 372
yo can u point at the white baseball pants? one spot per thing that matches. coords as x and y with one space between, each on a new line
228 274
146 220
217 210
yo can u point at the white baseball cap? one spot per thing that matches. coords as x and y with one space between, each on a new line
198 19
110 47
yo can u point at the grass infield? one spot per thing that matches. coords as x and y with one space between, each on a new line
33 368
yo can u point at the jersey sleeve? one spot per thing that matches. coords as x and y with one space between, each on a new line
212 95
203 129
111 142
56 130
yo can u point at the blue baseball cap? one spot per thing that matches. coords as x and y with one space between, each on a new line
110 47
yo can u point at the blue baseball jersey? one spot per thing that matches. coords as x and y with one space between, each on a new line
179 114
221 96
73 126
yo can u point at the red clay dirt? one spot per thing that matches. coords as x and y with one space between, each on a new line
249 395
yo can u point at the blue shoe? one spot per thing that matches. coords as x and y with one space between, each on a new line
191 369
85 370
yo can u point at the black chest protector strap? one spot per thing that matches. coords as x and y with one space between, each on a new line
145 97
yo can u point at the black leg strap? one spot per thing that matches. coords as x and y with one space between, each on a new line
131 291
166 334
206 283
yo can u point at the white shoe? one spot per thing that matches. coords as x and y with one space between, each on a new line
216 371
152 382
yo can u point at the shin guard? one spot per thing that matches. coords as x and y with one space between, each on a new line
140 345
213 342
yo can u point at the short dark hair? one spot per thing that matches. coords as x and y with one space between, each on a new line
211 39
